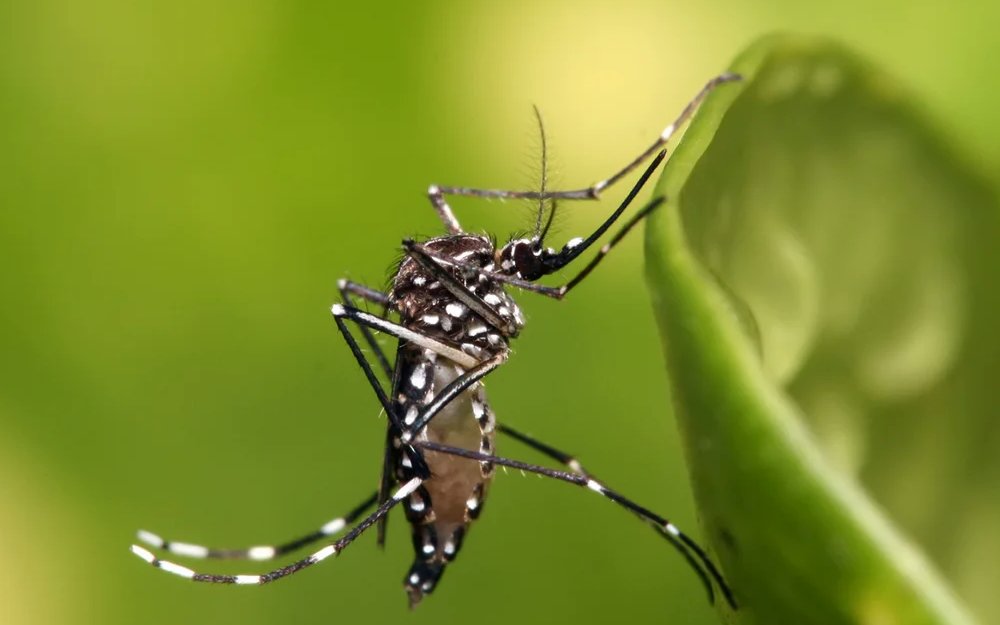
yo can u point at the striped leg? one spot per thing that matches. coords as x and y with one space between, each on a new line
437 193
694 554
574 465
259 552
387 479
415 421
332 549
380 324
341 312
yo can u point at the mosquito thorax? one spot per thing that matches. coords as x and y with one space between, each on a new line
424 304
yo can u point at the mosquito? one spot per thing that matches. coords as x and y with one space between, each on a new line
448 308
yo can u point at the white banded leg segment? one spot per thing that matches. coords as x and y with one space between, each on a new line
401 493
143 553
444 211
176 569
333 526
150 539
262 552
188 550
407 489
323 553
393 329
164 565
257 553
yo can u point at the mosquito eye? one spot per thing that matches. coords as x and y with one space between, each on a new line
527 262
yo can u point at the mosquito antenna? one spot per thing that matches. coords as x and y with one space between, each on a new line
548 222
545 176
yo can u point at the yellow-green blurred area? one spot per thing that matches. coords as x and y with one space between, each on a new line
182 184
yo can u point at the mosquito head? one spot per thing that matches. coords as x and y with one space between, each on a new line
526 259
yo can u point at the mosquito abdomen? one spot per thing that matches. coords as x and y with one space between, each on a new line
441 510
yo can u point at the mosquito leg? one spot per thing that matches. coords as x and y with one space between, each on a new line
436 196
334 548
366 367
395 425
364 319
259 552
348 289
592 192
681 541
364 292
367 320
384 325
385 482
574 465
563 458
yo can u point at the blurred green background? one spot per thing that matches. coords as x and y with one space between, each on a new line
182 184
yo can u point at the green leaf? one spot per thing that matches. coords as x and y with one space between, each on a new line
812 273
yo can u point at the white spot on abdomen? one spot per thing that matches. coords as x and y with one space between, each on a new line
419 377
411 415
